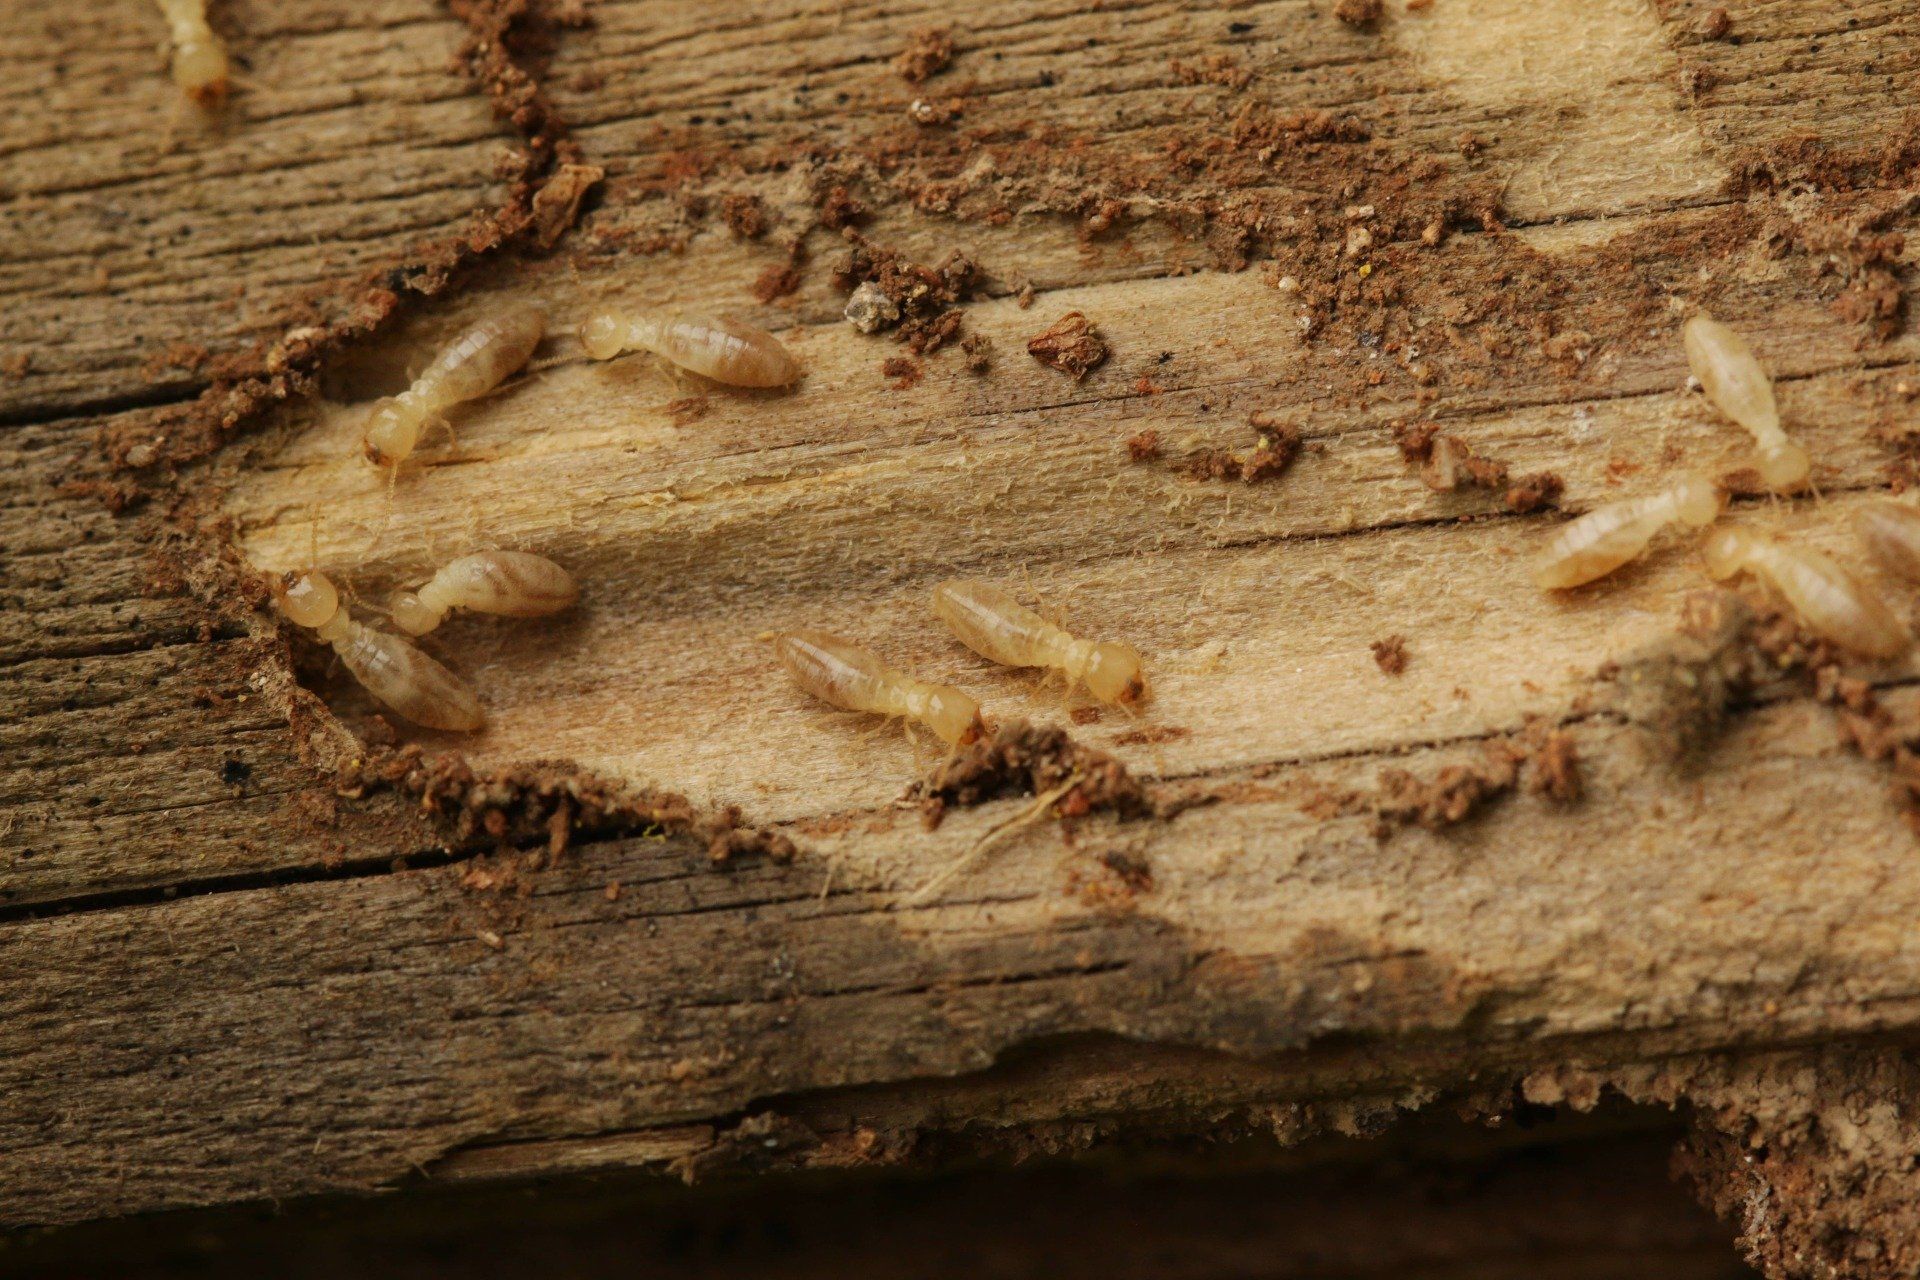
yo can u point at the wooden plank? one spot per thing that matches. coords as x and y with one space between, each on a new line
262 1039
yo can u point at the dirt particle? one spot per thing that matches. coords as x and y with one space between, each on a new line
933 112
1448 463
904 370
1359 13
1714 24
778 281
1277 444
1555 764
1071 344
235 771
1019 758
1084 715
979 349
1390 654
1023 297
870 310
744 214
929 52
18 365
839 210
1452 795
556 205
1216 68
1145 446
612 891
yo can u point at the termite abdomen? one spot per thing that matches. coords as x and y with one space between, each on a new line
728 351
513 584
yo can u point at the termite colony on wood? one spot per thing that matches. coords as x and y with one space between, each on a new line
1829 600
519 584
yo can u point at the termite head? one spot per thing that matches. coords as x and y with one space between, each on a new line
953 717
412 614
200 69
1726 551
1697 501
603 336
1114 673
306 597
1783 465
392 431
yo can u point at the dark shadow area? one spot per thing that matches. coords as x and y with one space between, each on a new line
1574 1197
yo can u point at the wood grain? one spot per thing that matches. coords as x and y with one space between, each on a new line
246 999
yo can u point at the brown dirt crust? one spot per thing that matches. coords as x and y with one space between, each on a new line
1359 13
927 54
1809 1155
1713 25
545 802
1276 445
1836 213
1452 795
926 298
745 215
1070 344
1019 758
1390 653
1542 752
1682 689
1448 463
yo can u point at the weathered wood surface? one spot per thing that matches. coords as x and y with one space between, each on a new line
306 1016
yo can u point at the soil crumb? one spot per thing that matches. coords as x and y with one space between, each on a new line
1450 796
1276 445
889 290
533 812
1359 13
1020 758
1543 753
1390 654
744 215
927 54
1072 345
1448 463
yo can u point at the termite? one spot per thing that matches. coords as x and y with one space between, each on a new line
989 621
392 670
1828 599
473 364
199 58
725 350
1609 536
1738 387
514 584
842 673
1891 532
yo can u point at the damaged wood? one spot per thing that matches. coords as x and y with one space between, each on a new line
299 954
